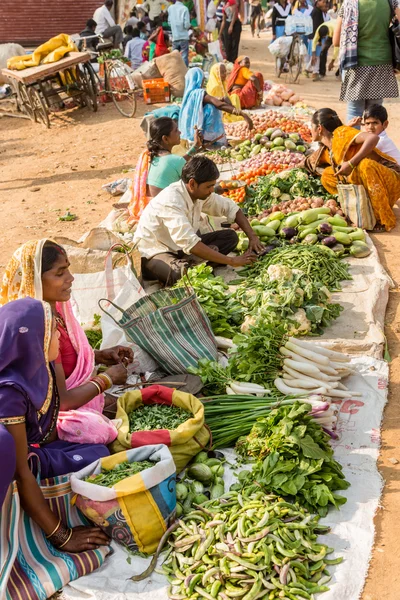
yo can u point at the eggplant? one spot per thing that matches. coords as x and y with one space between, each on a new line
267 250
277 133
360 250
321 237
325 228
339 249
329 241
288 232
216 454
264 140
310 239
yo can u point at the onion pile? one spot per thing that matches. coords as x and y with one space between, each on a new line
299 204
270 118
265 164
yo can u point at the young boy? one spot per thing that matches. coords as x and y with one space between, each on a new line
375 120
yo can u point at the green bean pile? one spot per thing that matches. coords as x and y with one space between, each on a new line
108 478
156 416
248 546
318 262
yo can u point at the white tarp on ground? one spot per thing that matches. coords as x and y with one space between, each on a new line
360 327
352 533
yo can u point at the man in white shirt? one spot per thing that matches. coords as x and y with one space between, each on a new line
375 120
106 26
154 9
168 235
179 20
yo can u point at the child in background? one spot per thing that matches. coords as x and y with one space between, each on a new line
375 120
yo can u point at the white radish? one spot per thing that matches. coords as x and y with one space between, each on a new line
305 384
247 384
300 383
314 380
289 391
332 354
292 355
238 389
321 376
308 369
230 391
341 367
342 394
323 360
342 387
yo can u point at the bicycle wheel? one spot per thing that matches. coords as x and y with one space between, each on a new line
88 81
295 61
278 66
122 88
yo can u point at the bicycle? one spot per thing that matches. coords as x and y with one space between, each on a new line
118 80
293 60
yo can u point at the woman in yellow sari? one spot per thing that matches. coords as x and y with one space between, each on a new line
352 154
216 86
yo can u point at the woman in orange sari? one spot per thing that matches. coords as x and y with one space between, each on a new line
354 155
246 84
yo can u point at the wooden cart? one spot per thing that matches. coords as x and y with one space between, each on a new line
39 89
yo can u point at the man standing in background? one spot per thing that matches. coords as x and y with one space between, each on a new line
106 26
179 20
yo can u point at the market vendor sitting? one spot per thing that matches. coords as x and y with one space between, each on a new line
168 235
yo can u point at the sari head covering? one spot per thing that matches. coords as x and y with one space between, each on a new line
161 45
138 188
25 334
22 278
217 87
235 71
194 114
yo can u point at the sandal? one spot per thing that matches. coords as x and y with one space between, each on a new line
378 228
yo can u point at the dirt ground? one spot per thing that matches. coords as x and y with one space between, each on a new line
45 172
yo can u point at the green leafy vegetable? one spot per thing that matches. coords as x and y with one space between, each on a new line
293 457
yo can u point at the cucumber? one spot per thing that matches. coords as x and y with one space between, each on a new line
342 238
312 214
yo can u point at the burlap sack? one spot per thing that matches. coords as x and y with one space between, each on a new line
173 70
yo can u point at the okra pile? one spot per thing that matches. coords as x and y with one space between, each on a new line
248 547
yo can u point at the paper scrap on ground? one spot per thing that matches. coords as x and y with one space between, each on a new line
352 533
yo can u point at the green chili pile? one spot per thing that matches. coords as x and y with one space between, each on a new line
108 478
248 546
156 416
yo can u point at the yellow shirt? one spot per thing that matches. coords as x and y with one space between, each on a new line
331 25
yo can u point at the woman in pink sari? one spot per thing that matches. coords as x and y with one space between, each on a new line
40 269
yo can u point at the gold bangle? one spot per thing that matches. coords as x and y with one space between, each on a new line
53 532
96 385
67 540
107 380
351 165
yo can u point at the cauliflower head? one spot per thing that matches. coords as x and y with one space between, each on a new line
279 273
301 324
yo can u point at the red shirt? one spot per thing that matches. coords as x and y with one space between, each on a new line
67 357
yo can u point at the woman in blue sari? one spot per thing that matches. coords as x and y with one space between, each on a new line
202 111
29 404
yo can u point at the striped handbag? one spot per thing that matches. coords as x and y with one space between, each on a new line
30 567
171 326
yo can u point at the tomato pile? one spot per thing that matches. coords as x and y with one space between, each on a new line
252 175
233 190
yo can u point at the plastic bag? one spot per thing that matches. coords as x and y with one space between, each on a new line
136 511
